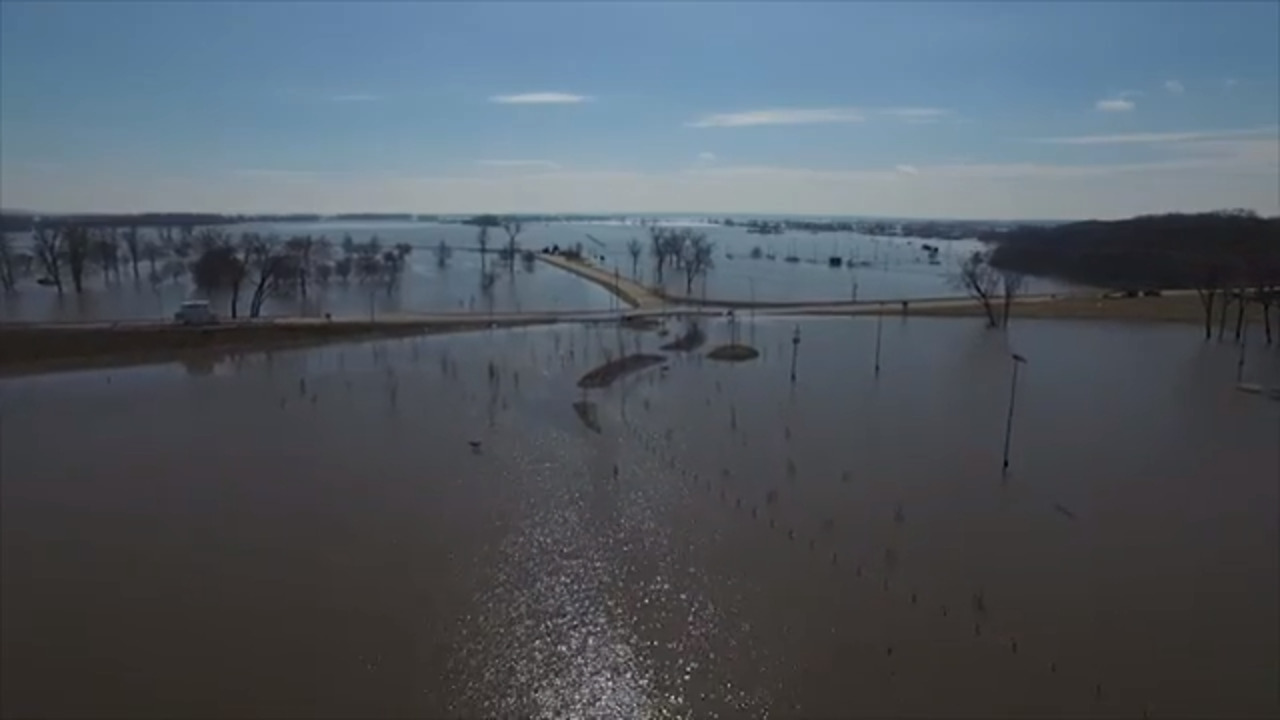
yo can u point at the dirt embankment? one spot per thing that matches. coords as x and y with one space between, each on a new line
691 339
734 352
1180 308
608 373
27 349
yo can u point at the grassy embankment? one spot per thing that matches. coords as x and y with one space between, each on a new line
27 349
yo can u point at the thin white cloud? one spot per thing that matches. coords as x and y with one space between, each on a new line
1174 87
540 98
916 115
544 164
355 98
907 169
706 157
1118 104
279 174
1158 138
1230 83
779 116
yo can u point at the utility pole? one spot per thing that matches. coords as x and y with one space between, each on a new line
1244 342
879 332
1008 424
795 350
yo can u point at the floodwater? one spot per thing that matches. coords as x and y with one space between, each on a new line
311 533
898 270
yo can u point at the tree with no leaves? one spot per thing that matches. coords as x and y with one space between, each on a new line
76 247
48 246
302 247
635 249
8 273
217 268
697 253
133 244
443 252
104 251
512 227
1011 284
482 239
977 278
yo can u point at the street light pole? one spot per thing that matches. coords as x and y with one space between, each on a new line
879 331
1244 341
1008 424
795 350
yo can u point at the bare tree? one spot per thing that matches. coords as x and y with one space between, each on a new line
512 227
48 245
977 278
635 249
482 239
1208 289
393 263
8 267
660 249
698 255
1011 284
272 264
219 267
302 248
153 251
443 252
7 274
133 244
342 268
76 246
104 251
677 241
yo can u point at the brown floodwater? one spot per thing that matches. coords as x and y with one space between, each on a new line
312 532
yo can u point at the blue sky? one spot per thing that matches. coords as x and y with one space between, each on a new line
1009 109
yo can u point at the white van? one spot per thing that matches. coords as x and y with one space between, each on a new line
195 312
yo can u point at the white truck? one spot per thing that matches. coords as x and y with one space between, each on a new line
195 312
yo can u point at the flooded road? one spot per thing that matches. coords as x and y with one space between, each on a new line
425 527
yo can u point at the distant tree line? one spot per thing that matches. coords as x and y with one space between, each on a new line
217 261
1231 258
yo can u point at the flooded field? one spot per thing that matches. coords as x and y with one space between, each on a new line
429 527
897 269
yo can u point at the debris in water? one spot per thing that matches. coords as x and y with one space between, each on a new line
1065 511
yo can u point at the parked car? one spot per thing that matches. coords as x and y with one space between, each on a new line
195 312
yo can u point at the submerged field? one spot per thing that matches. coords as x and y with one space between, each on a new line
428 526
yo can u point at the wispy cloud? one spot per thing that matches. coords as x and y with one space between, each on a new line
916 115
1114 105
706 157
276 174
907 169
1230 83
779 116
355 98
541 164
1174 87
539 98
1158 138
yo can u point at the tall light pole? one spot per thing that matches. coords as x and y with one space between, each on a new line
1008 424
1244 342
879 332
795 350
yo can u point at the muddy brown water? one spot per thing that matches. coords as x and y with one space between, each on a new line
311 533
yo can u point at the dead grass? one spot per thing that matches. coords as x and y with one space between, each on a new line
28 350
1182 308
606 374
734 353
